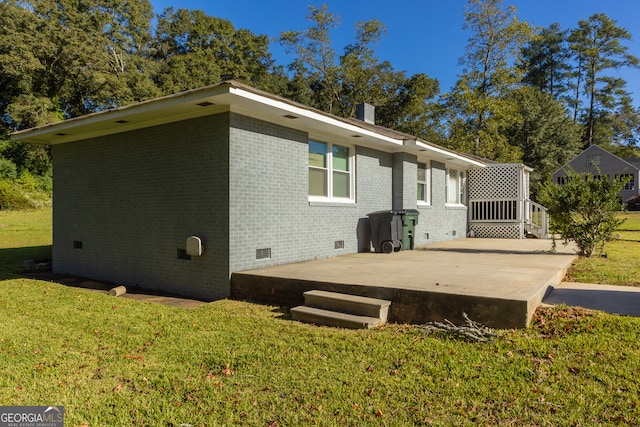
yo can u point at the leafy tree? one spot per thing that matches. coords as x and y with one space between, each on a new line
337 83
195 50
596 44
584 209
412 109
545 133
478 105
316 57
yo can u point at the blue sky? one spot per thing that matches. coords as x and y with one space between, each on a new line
423 36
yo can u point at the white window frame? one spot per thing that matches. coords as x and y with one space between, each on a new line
456 184
427 183
352 174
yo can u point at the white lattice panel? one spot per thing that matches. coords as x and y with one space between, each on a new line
494 182
505 231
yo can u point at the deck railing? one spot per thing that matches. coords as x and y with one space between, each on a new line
492 210
530 214
537 218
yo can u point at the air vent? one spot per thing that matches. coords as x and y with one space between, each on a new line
263 253
205 103
291 116
122 121
77 244
453 233
338 244
61 134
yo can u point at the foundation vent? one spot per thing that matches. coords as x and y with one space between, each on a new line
263 253
338 244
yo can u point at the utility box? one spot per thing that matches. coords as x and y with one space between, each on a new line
194 246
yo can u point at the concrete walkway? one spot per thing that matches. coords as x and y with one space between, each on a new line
623 300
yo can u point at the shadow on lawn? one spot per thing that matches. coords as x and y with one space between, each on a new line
12 259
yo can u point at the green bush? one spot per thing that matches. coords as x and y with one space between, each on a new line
584 209
13 198
8 169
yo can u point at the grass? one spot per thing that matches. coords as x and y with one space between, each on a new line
621 266
119 362
24 235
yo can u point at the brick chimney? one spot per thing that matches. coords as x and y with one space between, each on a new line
366 113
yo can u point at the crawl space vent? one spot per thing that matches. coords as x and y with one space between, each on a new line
338 244
263 253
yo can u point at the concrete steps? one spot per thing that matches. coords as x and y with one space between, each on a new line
341 310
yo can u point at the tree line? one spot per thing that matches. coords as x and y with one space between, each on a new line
526 94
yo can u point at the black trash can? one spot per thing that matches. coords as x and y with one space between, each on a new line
386 231
409 222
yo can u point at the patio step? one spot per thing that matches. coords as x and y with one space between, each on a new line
342 310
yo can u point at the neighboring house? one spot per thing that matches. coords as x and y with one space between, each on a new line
597 161
179 192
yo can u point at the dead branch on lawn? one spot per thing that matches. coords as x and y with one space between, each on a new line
471 330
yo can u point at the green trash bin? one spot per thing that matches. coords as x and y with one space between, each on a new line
409 222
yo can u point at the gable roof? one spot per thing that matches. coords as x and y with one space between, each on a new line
240 98
593 149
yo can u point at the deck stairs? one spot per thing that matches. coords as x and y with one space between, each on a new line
341 310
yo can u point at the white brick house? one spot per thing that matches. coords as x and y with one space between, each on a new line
259 179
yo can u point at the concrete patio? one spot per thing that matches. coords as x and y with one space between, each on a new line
499 282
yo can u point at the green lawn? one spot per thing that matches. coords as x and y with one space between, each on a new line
621 266
119 362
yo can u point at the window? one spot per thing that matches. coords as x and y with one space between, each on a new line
630 184
424 183
330 171
594 160
454 187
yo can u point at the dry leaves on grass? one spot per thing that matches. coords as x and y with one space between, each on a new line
558 321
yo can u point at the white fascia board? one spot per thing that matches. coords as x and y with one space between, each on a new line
41 134
440 152
302 112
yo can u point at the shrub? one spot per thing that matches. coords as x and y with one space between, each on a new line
8 169
584 209
12 197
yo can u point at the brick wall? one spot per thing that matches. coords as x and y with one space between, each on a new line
240 184
132 199
270 213
438 221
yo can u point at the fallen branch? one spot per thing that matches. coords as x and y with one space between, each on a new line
471 330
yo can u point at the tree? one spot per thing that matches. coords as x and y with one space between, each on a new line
545 61
545 133
195 50
412 109
584 209
336 84
316 57
596 44
478 105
